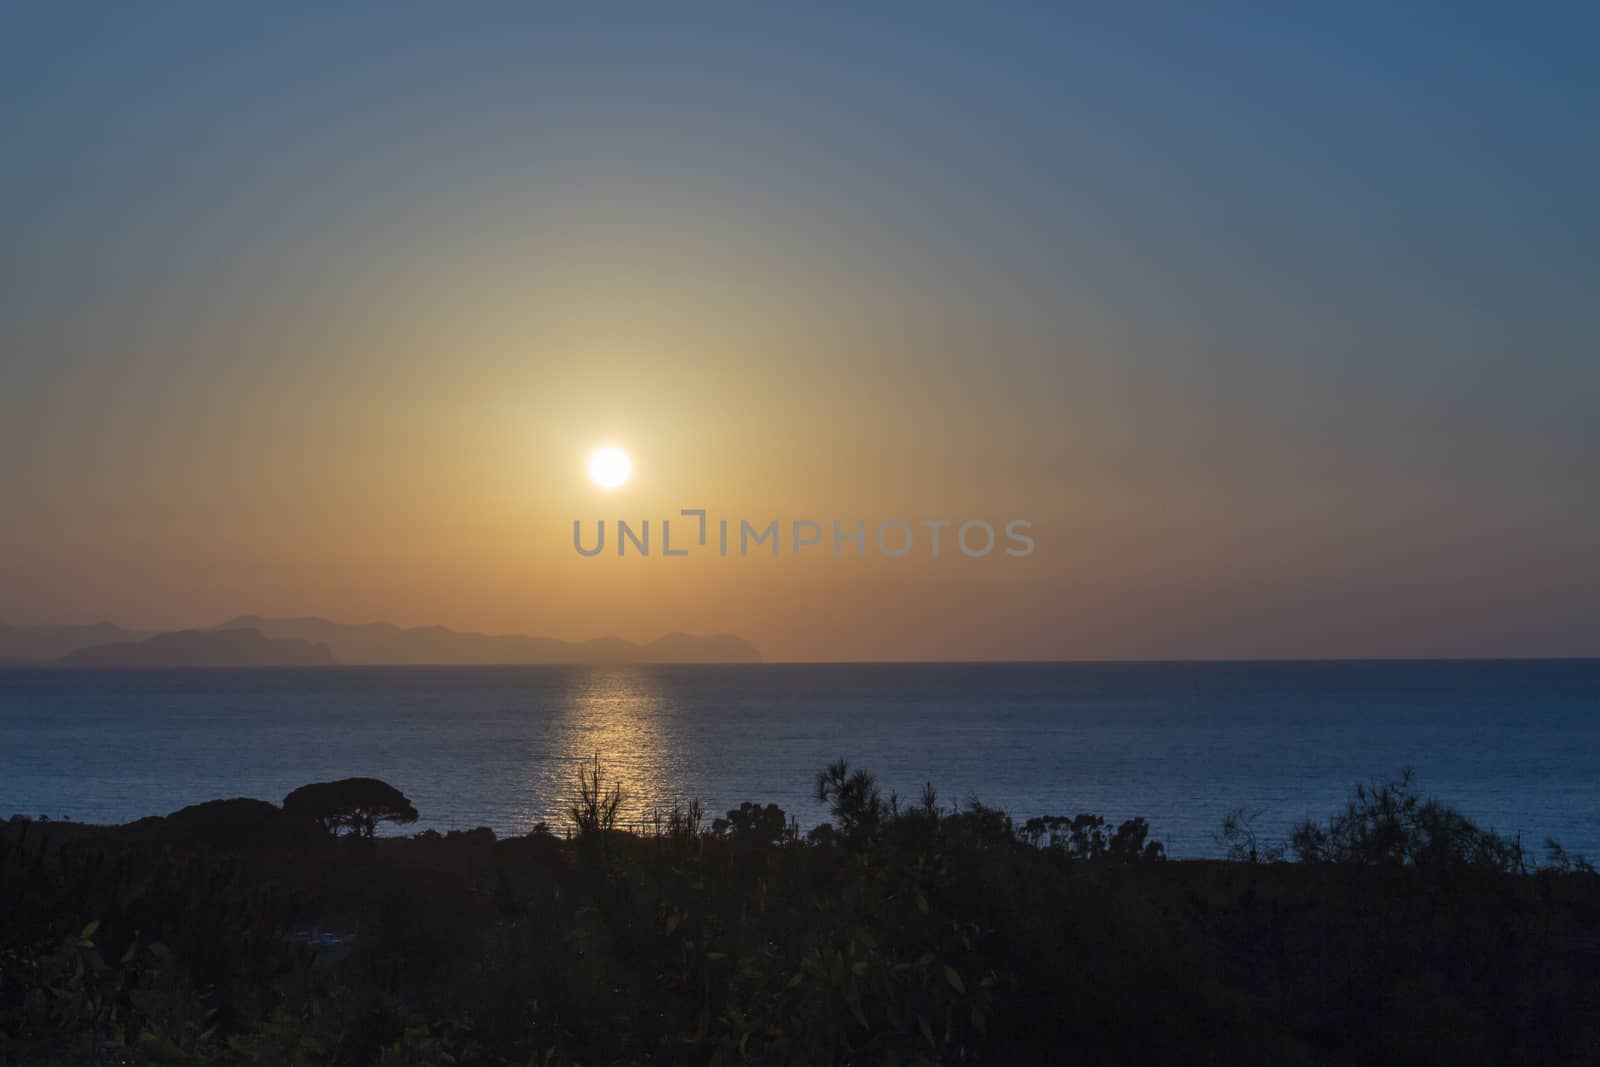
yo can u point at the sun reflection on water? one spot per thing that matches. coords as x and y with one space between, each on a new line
618 714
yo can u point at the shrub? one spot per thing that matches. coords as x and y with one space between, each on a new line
1392 824
596 805
221 825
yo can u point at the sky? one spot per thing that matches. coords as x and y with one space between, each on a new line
1279 326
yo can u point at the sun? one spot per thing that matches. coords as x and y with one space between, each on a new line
610 468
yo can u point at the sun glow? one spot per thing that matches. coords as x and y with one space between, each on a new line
610 468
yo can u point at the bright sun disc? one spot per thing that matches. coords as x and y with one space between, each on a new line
610 467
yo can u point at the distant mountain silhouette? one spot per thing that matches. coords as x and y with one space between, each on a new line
204 648
104 644
697 648
379 643
37 644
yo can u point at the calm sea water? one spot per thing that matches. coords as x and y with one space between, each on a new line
1515 744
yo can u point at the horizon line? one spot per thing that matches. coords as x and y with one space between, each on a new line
1194 661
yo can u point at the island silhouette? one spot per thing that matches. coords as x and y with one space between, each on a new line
256 641
204 648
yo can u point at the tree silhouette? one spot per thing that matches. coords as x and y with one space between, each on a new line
854 800
352 806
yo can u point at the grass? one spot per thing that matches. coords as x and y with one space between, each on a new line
915 935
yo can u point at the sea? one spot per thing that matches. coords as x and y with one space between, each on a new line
1513 744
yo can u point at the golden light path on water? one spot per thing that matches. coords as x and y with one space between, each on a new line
617 715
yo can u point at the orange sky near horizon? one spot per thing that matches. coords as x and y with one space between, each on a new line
1268 381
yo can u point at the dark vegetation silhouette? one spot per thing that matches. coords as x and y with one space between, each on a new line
349 806
238 932
1392 824
596 805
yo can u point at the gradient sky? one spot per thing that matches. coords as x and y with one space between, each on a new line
1283 328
